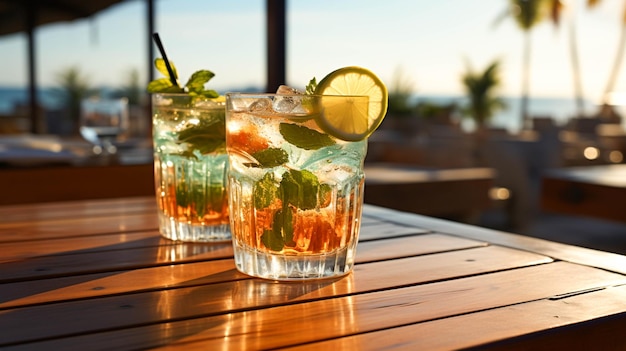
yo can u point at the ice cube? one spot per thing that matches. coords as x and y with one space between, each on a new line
287 100
287 90
285 104
260 105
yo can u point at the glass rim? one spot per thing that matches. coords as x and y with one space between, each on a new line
249 95
183 95
186 101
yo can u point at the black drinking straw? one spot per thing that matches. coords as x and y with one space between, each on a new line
157 40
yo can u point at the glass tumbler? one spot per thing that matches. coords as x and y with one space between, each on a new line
190 165
295 191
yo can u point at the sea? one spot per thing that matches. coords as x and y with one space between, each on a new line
11 97
560 109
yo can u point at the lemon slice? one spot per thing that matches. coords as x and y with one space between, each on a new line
348 119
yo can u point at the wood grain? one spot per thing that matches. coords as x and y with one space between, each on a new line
581 255
78 226
97 275
73 286
492 329
261 326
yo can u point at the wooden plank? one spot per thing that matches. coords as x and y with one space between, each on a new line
554 323
84 224
370 251
382 230
72 227
199 273
581 255
119 256
118 282
110 259
73 209
253 324
12 250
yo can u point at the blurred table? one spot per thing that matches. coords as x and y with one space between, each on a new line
593 191
45 168
69 183
91 275
460 194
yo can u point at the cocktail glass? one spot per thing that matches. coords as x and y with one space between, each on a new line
295 192
102 122
190 165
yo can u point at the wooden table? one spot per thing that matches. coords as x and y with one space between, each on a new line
593 191
93 275
461 194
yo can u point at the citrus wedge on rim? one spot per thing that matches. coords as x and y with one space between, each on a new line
350 120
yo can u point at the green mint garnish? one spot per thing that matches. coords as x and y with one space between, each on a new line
194 86
300 189
265 191
271 157
193 194
282 230
207 136
297 190
310 88
303 137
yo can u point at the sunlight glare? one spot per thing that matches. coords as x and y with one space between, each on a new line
499 193
616 156
617 98
591 153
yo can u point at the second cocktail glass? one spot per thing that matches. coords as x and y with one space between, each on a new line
296 192
190 165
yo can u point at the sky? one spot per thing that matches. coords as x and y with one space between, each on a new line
425 44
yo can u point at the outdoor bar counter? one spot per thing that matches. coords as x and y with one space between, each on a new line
96 275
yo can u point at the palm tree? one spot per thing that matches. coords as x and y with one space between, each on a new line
557 8
619 55
606 108
481 91
526 13
74 87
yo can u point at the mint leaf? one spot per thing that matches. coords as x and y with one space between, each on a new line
163 85
202 199
281 232
194 86
271 157
265 191
211 94
283 221
300 189
197 80
272 240
207 136
310 88
160 65
303 137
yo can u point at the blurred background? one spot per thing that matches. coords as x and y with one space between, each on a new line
519 88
